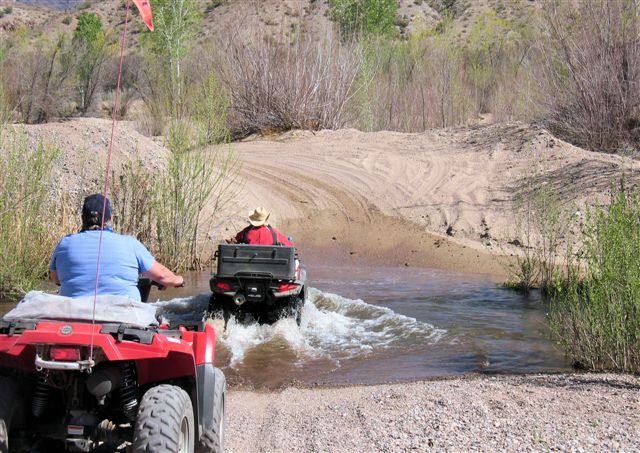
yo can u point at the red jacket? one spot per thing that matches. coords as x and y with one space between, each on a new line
262 235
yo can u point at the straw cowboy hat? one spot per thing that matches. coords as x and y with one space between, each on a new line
259 216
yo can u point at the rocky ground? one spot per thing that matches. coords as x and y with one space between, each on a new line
580 413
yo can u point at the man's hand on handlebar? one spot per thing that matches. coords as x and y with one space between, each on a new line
163 277
161 287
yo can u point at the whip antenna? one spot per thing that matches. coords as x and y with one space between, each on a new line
123 42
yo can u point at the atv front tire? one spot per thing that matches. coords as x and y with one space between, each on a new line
165 422
212 441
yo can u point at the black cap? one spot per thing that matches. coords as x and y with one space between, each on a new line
92 210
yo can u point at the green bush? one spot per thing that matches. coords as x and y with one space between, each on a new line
364 17
541 226
90 50
596 316
26 234
89 27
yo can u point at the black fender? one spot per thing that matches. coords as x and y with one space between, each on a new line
206 376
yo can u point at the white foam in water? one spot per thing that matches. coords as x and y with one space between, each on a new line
331 324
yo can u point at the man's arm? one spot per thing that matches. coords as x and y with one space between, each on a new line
282 239
160 274
53 276
239 239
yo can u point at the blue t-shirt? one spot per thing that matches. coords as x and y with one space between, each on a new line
122 259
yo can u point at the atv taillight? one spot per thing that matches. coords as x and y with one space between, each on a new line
286 287
224 286
64 354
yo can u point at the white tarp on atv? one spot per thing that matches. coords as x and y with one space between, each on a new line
109 309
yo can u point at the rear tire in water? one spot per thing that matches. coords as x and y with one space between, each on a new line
165 422
212 441
12 410
292 308
219 308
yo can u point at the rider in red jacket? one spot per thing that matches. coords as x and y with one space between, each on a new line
260 232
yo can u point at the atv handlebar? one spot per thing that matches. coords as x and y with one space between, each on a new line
145 284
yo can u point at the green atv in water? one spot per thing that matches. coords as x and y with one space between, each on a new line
257 282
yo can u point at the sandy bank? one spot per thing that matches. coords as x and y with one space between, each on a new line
584 412
443 199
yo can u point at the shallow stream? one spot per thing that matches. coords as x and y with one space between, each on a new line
378 324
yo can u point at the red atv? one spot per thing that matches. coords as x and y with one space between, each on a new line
67 384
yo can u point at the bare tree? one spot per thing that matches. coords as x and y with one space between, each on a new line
592 69
276 87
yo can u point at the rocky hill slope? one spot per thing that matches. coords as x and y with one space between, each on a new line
278 17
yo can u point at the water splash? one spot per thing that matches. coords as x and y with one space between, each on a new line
331 326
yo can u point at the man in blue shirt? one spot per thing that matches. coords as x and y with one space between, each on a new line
122 259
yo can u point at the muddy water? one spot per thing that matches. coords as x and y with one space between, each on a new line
384 324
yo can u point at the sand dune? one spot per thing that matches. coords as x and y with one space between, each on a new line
444 198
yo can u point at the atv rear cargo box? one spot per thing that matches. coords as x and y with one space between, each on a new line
244 260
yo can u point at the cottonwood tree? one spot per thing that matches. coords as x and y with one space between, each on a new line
364 17
91 50
176 23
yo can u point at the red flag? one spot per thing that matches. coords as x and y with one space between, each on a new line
145 11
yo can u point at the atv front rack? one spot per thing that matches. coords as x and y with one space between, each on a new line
80 365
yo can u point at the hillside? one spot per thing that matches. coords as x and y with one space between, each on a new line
278 17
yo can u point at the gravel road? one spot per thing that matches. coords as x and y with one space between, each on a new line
581 413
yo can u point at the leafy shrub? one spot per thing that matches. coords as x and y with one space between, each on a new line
171 209
27 229
89 27
90 52
541 223
364 17
595 316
